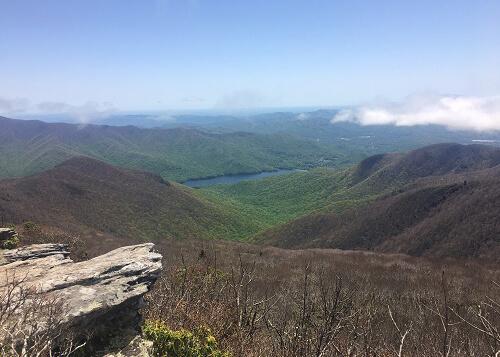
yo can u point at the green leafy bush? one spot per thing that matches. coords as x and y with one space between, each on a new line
182 343
30 228
10 243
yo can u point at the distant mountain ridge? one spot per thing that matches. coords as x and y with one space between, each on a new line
364 140
29 146
203 146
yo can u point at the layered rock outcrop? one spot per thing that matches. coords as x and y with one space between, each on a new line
8 238
7 233
32 252
100 296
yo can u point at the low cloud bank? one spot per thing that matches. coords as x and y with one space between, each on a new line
16 105
81 113
454 112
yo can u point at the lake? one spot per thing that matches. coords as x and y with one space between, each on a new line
234 178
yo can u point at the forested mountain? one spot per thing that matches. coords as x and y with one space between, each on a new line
28 146
85 194
452 220
442 208
361 140
229 145
281 198
438 200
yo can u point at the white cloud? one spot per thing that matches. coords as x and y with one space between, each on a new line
16 105
82 113
454 112
303 116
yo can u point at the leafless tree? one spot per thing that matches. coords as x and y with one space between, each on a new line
32 322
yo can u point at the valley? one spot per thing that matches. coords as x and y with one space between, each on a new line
402 236
249 178
176 154
327 190
228 146
320 208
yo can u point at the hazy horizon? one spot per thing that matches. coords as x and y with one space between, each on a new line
95 58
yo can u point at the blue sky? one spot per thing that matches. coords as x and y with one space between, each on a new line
230 54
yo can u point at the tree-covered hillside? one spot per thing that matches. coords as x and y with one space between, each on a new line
414 197
277 199
454 220
176 154
84 194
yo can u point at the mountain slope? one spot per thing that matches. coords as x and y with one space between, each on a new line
29 146
83 193
454 220
281 198
420 205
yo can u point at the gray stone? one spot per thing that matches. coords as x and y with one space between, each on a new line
101 295
7 233
138 347
34 251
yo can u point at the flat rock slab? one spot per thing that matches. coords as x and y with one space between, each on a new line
34 251
99 291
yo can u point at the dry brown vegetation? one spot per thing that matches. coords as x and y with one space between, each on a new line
264 301
82 244
32 323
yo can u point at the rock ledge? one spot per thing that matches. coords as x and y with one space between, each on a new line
101 295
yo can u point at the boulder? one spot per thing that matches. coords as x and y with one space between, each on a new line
138 347
7 233
101 296
34 251
8 238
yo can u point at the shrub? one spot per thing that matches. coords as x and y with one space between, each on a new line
302 303
10 243
182 343
30 228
